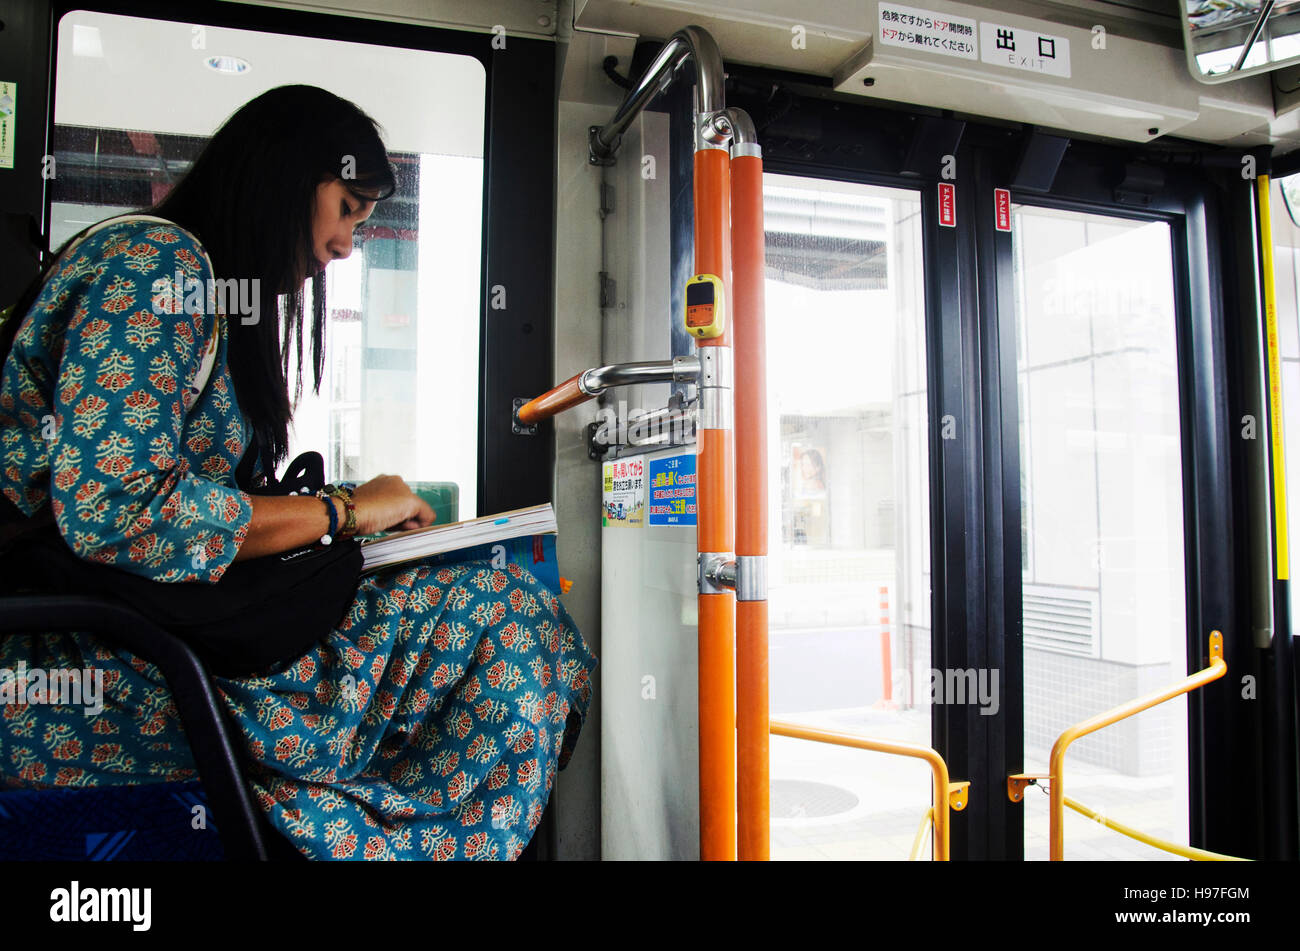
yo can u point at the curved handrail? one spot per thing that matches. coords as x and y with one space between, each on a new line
1218 667
592 382
946 796
1186 851
691 41
927 820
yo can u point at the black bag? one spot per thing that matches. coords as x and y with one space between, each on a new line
263 612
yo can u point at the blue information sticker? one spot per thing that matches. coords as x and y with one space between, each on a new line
672 490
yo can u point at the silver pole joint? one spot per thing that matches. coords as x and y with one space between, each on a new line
744 140
751 577
716 365
716 406
717 572
686 369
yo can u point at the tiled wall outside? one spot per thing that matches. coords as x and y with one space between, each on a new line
1061 690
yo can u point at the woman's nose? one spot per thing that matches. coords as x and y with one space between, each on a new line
341 247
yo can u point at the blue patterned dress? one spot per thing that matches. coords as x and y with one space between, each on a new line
428 725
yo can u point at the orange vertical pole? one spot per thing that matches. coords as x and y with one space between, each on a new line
715 529
750 345
886 652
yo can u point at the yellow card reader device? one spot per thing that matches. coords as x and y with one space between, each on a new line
705 307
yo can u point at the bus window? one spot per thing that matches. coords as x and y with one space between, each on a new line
136 100
849 562
1104 597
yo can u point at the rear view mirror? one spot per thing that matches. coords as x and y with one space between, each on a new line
1226 39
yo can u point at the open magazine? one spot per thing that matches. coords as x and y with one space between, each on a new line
523 536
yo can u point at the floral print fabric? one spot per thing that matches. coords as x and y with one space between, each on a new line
428 725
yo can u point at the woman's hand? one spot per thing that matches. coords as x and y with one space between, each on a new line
387 503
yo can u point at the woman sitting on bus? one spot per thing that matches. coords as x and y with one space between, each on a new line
430 722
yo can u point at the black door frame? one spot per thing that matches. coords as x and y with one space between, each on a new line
975 474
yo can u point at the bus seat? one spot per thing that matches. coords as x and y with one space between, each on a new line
152 822
106 812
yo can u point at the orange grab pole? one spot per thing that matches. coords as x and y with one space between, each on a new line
565 396
715 532
753 794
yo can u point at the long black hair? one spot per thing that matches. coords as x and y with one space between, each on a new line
250 197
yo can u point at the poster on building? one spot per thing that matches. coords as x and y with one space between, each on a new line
8 122
672 490
622 498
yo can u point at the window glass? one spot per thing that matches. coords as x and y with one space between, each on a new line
849 562
138 98
1104 592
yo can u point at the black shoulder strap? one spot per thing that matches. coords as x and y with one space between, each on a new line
304 476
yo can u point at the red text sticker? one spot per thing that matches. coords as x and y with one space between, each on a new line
947 205
1002 204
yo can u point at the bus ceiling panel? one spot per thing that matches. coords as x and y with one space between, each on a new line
1057 76
815 36
535 19
1116 70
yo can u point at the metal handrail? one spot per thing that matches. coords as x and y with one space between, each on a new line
926 822
592 382
947 795
693 42
1056 765
1186 851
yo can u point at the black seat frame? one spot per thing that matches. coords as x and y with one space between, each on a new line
207 724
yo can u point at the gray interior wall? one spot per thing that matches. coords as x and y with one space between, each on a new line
577 478
631 790
649 703
586 98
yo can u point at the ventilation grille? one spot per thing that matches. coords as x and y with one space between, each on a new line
1062 620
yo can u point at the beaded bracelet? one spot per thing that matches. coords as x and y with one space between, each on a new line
344 495
329 536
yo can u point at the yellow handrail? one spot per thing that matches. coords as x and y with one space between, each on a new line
926 821
1218 667
946 795
1186 851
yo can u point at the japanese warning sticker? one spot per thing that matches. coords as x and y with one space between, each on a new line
947 205
1002 209
622 499
672 490
1019 48
927 31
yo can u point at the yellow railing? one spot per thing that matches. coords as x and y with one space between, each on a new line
1016 784
1186 851
926 822
947 795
